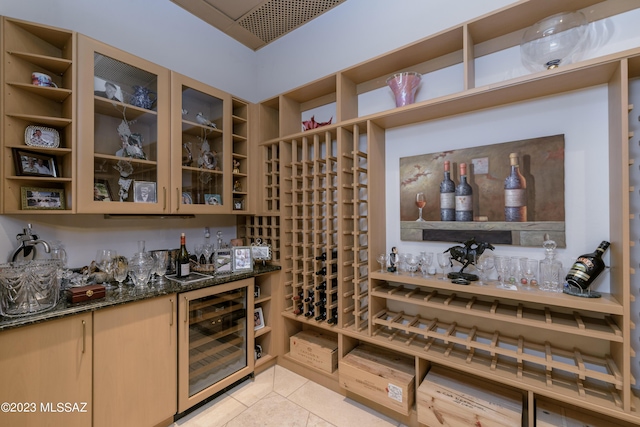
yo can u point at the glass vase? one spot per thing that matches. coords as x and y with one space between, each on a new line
141 265
404 87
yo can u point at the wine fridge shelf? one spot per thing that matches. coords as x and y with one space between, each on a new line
575 323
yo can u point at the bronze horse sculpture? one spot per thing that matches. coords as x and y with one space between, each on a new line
465 255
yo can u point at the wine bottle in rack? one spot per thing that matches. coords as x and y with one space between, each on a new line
515 193
587 267
322 286
323 270
464 197
297 309
323 257
310 298
322 315
310 313
447 195
333 320
182 260
298 297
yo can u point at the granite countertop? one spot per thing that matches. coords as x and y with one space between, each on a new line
129 293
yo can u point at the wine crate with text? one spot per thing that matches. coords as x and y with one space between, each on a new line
315 349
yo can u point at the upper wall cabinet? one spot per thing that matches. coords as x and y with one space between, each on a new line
124 126
201 147
38 118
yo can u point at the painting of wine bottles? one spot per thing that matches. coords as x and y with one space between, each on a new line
504 193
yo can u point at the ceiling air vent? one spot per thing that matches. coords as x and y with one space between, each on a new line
275 18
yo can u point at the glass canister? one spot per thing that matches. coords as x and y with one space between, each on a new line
551 272
141 265
29 287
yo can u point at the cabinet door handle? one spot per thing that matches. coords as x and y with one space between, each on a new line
164 198
171 301
84 336
178 198
186 313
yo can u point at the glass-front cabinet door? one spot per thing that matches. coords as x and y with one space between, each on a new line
200 147
124 131
214 334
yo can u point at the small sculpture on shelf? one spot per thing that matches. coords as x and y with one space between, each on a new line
393 260
124 181
237 186
200 118
188 159
236 166
312 124
465 255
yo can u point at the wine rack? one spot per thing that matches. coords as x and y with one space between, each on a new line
239 154
271 178
266 228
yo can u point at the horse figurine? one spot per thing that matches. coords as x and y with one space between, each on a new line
465 255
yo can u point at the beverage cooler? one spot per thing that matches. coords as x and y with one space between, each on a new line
214 334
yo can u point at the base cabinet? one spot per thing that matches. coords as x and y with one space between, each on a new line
45 372
135 363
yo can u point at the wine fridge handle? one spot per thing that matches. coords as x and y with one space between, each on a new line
171 301
186 313
84 336
164 198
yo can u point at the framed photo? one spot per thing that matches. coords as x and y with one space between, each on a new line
107 89
34 163
40 136
101 191
261 253
242 258
42 198
213 199
258 319
223 260
186 198
144 192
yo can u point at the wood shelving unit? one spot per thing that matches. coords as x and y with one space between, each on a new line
550 346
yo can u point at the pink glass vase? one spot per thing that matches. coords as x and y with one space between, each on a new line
404 87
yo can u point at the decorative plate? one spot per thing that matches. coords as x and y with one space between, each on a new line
40 136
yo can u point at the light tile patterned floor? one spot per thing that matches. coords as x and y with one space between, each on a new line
278 397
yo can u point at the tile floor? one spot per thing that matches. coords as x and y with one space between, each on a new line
278 397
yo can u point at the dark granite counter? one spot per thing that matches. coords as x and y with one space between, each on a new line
127 294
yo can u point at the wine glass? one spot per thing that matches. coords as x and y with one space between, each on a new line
529 268
444 259
412 262
161 259
426 259
382 259
120 270
483 265
105 260
502 267
421 201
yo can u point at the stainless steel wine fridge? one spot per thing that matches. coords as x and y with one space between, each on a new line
213 335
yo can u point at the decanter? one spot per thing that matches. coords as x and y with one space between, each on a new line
141 265
551 272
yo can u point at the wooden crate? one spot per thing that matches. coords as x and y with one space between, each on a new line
380 376
447 398
315 349
552 415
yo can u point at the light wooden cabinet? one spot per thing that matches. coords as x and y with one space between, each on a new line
46 373
135 363
125 151
267 285
327 187
38 122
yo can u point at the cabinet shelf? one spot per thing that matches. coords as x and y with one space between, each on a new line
196 129
117 109
607 304
262 331
56 65
58 122
52 93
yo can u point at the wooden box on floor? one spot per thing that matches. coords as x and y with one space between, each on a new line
380 376
451 399
315 349
552 415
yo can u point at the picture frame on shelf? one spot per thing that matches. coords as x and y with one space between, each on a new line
213 199
260 251
107 89
242 259
101 191
187 199
40 136
258 319
33 163
144 192
34 198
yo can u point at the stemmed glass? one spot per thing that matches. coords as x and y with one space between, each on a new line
421 201
484 264
502 267
105 260
426 259
412 263
443 262
382 259
161 259
529 268
120 270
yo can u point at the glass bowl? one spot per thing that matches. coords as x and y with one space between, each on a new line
29 287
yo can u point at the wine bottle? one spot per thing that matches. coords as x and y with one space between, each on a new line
323 270
321 316
587 267
464 197
297 309
323 256
515 193
309 313
182 260
447 195
334 317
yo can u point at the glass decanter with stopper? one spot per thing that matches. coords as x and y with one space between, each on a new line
551 277
141 265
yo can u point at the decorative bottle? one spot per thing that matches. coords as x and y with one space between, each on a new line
587 267
515 196
447 195
464 197
550 268
182 261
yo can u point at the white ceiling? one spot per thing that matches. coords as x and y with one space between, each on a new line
255 23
